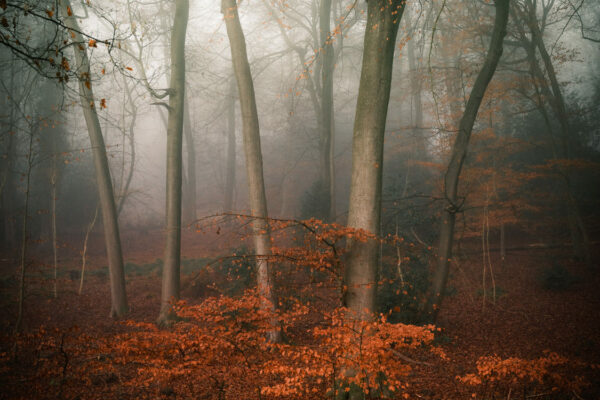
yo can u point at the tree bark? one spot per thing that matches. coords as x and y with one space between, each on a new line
326 134
254 166
103 179
383 18
459 152
191 191
231 157
170 274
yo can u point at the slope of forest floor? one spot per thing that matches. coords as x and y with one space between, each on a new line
543 302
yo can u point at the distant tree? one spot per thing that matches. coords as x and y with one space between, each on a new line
459 152
549 90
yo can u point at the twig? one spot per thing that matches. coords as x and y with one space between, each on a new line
410 360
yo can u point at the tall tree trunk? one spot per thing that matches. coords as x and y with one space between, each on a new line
231 158
53 178
190 190
327 125
8 178
103 178
170 272
254 166
416 109
459 152
364 212
24 233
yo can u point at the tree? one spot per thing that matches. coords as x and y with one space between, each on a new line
383 19
318 71
457 158
103 179
252 150
527 13
170 274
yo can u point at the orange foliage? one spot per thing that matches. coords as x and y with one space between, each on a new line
219 346
551 370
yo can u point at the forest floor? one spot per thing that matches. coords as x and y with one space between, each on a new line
524 320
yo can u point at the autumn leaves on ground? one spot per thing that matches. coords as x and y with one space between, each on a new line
533 335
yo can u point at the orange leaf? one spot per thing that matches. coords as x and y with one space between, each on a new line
69 12
103 103
92 43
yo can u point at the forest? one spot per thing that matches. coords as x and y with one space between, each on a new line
300 199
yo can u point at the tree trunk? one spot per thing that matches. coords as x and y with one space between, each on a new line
327 125
231 158
364 212
190 203
9 237
131 136
416 109
24 233
103 178
252 150
53 178
459 152
170 272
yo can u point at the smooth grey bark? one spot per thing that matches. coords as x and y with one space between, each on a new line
383 18
231 150
170 273
254 165
459 152
191 188
327 125
103 179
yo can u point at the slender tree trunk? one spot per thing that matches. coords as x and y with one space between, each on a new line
84 251
254 167
131 136
170 273
190 208
23 259
326 137
231 157
53 178
416 114
364 212
103 178
9 233
459 152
